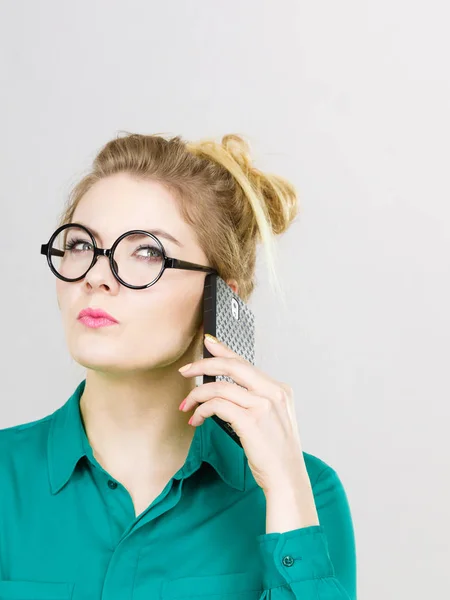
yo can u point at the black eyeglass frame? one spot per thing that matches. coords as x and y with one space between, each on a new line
168 263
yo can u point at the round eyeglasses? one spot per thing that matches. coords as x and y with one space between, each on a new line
137 257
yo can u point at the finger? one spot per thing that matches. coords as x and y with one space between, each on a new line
241 372
219 348
230 413
219 389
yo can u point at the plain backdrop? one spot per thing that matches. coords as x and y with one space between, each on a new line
350 101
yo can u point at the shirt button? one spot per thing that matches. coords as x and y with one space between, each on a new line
288 561
112 484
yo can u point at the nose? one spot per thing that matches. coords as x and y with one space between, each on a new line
104 252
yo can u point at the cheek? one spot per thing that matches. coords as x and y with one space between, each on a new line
69 299
175 318
170 321
62 294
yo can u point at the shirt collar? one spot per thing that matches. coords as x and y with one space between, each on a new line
68 443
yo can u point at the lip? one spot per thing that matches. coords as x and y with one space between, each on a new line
96 317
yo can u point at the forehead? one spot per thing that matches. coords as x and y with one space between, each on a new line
121 203
121 195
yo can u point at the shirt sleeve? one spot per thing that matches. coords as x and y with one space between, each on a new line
318 562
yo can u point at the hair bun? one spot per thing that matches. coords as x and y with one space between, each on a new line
239 149
279 194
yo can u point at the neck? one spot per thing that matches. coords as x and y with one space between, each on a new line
132 420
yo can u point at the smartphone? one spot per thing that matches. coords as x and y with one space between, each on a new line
227 317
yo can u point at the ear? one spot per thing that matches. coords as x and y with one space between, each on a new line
233 285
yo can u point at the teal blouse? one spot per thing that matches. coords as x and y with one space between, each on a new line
68 529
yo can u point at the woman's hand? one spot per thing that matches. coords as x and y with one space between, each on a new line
262 415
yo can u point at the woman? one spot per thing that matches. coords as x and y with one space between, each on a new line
125 491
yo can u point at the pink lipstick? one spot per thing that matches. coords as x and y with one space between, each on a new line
96 317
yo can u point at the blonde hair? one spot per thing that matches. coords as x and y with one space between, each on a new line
230 204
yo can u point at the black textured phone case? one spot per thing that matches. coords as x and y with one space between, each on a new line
231 321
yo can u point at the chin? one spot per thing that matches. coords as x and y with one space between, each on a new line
98 358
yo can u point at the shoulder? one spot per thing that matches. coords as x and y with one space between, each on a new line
317 468
332 503
23 445
326 483
25 430
24 472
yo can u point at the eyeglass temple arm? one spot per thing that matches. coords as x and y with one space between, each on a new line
175 263
53 251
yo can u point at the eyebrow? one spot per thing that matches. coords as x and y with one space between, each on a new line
157 232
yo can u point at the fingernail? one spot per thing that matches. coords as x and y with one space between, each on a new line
182 405
211 338
185 368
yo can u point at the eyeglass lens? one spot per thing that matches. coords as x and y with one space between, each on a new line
138 258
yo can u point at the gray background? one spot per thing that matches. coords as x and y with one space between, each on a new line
350 100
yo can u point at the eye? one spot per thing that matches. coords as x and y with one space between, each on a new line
156 251
70 245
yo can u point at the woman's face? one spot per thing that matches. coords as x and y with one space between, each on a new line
157 324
